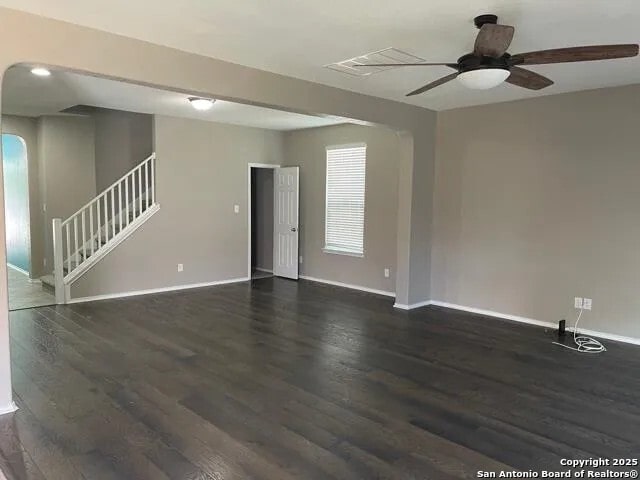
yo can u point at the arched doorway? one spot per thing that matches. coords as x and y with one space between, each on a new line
16 194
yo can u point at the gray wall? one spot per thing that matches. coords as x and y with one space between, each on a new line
123 140
77 155
27 128
415 222
306 148
66 149
57 43
26 37
537 202
262 218
201 173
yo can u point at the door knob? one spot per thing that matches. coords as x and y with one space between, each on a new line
294 229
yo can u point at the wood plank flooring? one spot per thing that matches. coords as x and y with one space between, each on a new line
276 379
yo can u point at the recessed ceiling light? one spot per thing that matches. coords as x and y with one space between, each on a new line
201 103
40 72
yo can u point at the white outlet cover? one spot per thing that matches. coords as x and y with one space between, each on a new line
386 273
236 208
586 303
577 303
180 267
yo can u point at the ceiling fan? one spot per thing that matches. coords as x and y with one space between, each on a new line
489 64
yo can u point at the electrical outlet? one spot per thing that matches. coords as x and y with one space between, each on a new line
578 302
180 267
300 258
236 209
386 273
586 303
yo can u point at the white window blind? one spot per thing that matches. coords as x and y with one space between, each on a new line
344 227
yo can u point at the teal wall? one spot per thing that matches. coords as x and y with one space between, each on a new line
16 200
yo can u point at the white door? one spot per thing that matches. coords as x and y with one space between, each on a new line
285 222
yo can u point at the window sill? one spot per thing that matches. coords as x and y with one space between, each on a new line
335 251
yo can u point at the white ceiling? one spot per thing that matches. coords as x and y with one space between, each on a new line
26 94
298 37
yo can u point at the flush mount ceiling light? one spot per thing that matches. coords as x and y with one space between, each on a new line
201 103
483 79
40 72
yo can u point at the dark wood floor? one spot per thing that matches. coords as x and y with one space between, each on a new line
285 380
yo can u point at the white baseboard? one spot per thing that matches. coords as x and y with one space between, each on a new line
348 285
609 336
533 321
25 273
17 269
404 306
12 407
265 270
174 288
491 313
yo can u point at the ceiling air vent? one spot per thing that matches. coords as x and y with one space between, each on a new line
388 55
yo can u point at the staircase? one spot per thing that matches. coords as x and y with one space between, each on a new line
80 241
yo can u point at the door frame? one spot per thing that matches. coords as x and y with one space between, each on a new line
250 210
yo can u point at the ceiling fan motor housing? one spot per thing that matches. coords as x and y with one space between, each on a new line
481 20
471 61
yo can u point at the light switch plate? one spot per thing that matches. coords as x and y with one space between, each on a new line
180 267
236 208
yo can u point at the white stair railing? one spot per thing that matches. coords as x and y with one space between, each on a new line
97 226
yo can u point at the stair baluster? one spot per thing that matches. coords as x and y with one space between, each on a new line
117 215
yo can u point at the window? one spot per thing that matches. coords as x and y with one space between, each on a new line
344 216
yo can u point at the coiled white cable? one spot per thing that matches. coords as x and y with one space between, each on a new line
583 343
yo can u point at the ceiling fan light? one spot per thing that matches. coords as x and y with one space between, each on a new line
484 78
201 103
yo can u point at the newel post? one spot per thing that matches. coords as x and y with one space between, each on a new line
58 259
